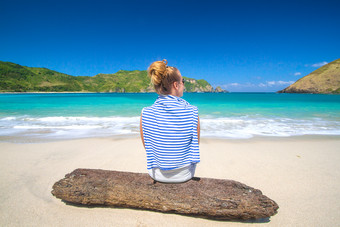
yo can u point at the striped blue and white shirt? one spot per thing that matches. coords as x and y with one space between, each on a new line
170 133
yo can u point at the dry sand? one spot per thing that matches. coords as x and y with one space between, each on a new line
302 175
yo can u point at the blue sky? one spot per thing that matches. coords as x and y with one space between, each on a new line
256 45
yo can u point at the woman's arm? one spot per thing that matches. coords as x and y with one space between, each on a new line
198 130
141 130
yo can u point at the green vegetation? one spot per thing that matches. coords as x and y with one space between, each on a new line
337 91
192 85
17 78
325 80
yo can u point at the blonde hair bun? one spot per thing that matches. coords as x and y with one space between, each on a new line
162 76
157 71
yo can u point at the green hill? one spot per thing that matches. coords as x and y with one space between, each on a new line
325 80
17 78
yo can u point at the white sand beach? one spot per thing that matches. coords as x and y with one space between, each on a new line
301 174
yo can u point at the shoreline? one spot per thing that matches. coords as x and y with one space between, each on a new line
32 140
300 174
229 92
93 92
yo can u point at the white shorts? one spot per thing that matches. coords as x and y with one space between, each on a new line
179 175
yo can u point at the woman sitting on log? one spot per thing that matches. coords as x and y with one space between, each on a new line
170 128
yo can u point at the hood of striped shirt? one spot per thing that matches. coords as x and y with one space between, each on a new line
171 101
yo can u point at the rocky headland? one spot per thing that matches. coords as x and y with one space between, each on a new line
325 80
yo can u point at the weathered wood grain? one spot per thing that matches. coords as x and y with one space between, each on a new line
203 197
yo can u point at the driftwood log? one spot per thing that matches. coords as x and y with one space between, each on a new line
203 197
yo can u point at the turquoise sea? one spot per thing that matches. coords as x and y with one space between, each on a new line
39 117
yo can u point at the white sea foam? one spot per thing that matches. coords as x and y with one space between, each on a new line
256 126
64 127
61 127
8 119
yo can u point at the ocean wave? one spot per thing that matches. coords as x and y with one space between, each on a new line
68 127
60 127
248 127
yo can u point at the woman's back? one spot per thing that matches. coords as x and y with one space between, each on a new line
170 133
170 128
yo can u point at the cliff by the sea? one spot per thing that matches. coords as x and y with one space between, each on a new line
17 78
325 80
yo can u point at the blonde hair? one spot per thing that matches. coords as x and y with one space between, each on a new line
163 76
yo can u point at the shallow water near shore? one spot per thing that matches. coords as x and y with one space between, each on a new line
30 117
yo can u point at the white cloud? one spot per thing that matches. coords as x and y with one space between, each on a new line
280 82
317 65
275 83
320 64
234 85
271 83
286 82
259 87
241 85
297 74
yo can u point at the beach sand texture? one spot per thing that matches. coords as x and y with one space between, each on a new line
301 174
